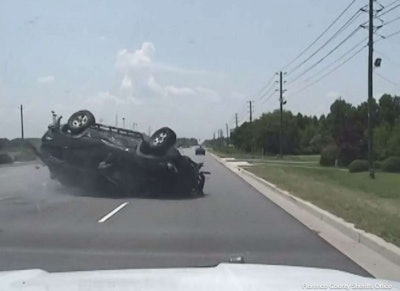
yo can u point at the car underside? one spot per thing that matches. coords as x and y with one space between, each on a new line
94 156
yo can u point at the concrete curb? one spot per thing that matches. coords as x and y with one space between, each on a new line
371 241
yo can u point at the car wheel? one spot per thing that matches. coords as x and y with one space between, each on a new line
162 140
144 147
81 120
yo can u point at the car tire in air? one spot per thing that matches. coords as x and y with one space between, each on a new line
161 141
81 120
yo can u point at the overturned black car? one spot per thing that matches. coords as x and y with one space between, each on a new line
95 156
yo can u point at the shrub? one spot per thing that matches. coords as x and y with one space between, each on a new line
348 153
5 159
24 156
391 164
378 165
358 166
328 156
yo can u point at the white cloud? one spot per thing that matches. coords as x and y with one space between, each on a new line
46 79
154 86
102 98
143 56
103 38
179 91
332 95
238 95
208 94
126 83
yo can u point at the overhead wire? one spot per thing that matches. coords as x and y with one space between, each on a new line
272 88
392 34
337 60
270 81
327 55
269 97
391 21
387 79
341 29
388 58
331 71
384 11
321 35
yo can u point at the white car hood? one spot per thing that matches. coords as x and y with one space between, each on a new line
222 277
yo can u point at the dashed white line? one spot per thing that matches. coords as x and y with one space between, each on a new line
107 216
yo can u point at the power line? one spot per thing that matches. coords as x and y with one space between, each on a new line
392 34
331 71
270 80
342 28
337 60
269 97
391 21
327 55
389 10
388 58
393 2
321 35
272 89
387 80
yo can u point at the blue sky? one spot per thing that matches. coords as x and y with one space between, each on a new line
189 65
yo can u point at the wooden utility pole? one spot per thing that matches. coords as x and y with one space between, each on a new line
236 120
22 121
370 89
251 110
281 114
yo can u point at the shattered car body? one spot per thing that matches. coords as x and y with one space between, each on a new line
86 154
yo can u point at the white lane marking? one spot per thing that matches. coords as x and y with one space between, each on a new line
107 216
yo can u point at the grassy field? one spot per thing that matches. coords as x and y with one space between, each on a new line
258 157
372 205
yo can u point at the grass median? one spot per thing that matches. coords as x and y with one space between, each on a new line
372 205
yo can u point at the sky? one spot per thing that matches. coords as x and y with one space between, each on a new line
190 65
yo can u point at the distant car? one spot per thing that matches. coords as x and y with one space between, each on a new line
85 153
200 151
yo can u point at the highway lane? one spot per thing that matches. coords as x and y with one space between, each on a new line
45 225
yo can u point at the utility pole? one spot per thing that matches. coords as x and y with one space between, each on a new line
214 135
281 114
123 122
227 131
251 110
370 89
236 120
281 103
22 122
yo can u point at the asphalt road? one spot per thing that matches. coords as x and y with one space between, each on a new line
48 226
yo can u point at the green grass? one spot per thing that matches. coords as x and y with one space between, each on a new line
258 157
372 205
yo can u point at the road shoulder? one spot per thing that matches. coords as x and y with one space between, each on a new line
378 257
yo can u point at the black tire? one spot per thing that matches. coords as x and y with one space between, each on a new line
162 140
144 147
81 120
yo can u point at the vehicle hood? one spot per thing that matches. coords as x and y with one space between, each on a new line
221 277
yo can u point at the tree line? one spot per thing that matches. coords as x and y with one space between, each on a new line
344 127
